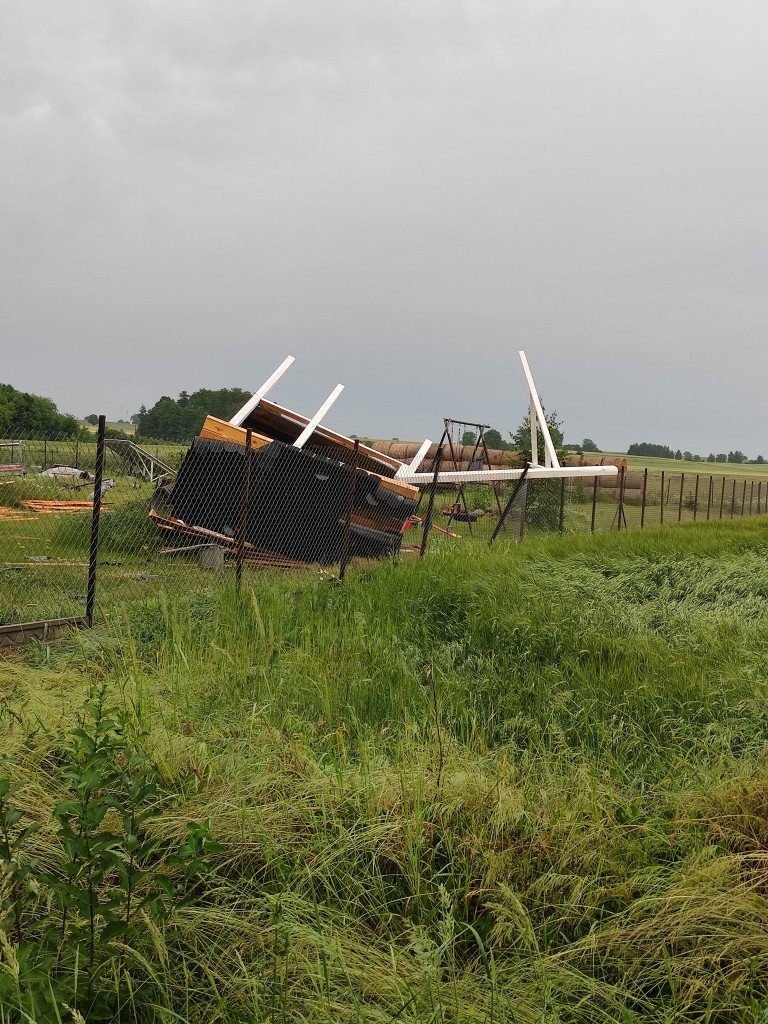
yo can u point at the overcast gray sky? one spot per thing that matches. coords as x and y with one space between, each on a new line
400 194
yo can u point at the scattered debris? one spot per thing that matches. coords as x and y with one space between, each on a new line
106 485
65 472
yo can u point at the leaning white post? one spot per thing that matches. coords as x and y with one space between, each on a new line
550 458
309 430
267 386
417 460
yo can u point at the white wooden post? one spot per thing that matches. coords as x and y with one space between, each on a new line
309 430
267 386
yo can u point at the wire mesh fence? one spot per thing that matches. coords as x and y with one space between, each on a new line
84 527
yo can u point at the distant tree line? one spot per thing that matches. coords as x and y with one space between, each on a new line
23 415
180 419
663 451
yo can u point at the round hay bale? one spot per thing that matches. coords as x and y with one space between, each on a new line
619 462
398 450
633 479
633 494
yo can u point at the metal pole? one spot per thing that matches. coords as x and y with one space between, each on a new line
620 509
508 506
243 517
743 496
751 495
95 518
594 503
562 504
733 498
77 453
709 497
722 498
645 488
759 488
431 503
661 520
45 454
680 503
350 506
696 498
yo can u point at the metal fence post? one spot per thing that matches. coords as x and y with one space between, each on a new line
680 503
709 496
562 504
743 496
508 506
427 525
350 506
243 517
722 498
759 489
95 519
661 517
642 507
594 506
696 498
620 507
751 495
733 498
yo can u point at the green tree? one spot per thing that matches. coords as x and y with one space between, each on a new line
721 457
495 441
521 438
181 419
588 445
469 438
711 457
24 415
93 419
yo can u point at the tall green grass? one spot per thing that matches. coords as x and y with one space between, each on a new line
524 784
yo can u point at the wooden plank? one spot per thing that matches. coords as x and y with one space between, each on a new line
325 432
219 430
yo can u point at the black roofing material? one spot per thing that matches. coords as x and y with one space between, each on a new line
297 501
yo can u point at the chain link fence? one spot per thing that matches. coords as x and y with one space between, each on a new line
88 524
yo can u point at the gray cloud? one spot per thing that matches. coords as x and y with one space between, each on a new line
400 194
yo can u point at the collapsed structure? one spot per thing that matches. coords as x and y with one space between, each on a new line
303 481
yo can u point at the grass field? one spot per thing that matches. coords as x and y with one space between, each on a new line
525 784
674 466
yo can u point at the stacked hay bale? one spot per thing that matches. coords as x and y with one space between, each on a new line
633 480
462 454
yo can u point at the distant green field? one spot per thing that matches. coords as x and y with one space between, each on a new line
731 469
127 428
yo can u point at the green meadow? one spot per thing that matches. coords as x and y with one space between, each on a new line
521 784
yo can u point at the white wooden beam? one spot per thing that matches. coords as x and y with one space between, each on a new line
239 417
489 476
550 458
416 461
309 430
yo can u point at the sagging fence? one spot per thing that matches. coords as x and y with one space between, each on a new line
87 525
